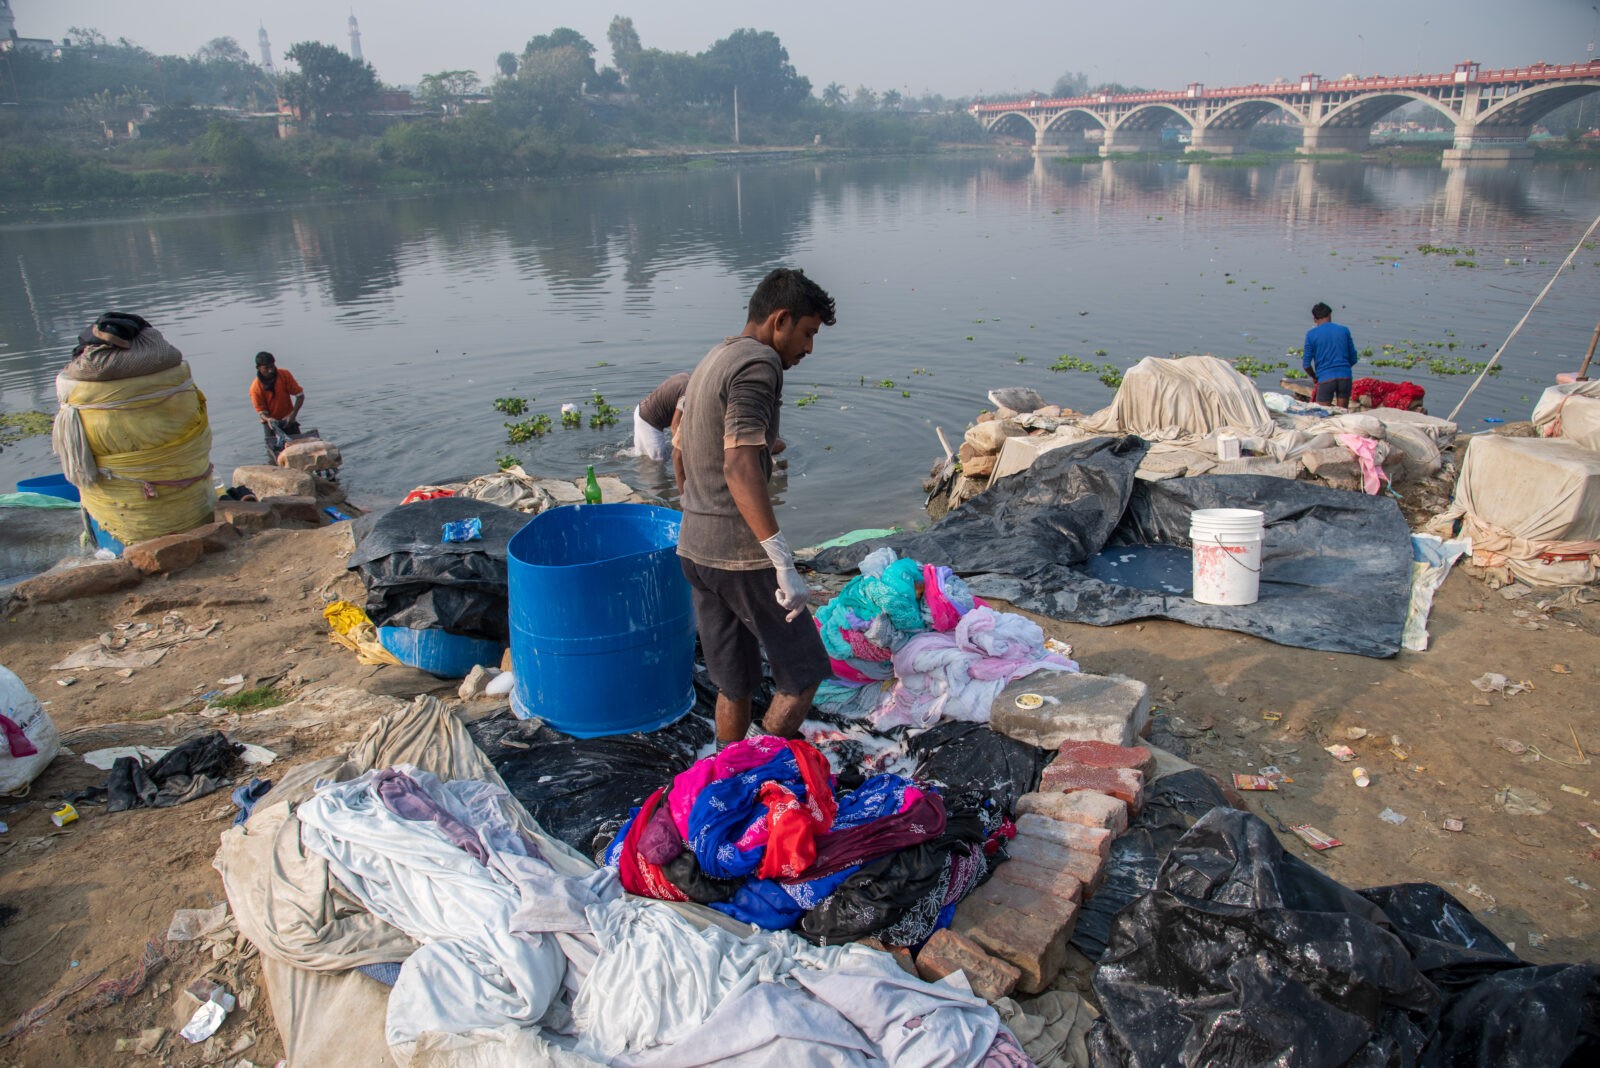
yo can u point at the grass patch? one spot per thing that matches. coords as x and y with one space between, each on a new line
253 700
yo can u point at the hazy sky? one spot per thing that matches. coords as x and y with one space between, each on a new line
940 46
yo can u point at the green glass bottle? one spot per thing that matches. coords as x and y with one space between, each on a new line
591 488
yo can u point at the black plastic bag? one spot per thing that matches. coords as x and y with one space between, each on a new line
416 580
573 785
1243 954
1172 804
970 759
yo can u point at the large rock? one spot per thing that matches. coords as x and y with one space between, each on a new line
294 510
265 481
83 580
946 952
247 517
167 554
986 438
1336 461
310 454
1105 708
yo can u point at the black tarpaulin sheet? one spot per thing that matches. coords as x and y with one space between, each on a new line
1242 954
414 579
1336 566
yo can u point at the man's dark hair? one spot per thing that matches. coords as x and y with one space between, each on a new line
265 359
1320 310
788 289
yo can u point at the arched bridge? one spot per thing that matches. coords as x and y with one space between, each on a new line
1493 111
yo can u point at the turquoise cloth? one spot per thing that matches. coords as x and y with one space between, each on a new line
851 537
34 500
866 597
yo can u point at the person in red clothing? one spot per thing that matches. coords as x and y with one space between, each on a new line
277 398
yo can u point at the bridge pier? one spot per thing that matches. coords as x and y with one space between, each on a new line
1119 141
1315 140
1061 143
1219 142
1489 144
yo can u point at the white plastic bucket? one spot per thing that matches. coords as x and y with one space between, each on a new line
1227 555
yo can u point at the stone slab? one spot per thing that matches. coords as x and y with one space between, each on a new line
83 580
1105 708
1074 836
946 952
270 481
1088 807
168 554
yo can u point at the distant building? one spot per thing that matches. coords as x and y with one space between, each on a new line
266 51
9 38
355 39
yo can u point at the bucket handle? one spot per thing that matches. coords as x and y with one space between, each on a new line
1230 556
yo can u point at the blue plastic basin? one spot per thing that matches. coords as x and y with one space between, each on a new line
52 485
602 628
438 652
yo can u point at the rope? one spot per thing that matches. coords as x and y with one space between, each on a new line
1490 365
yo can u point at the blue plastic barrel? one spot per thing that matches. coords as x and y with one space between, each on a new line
52 485
438 652
602 628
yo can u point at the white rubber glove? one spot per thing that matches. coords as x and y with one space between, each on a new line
793 593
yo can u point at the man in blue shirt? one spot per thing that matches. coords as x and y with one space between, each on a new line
1330 353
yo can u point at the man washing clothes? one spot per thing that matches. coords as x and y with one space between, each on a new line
1329 356
277 399
748 596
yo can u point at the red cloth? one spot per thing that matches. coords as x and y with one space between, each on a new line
792 824
15 739
426 493
1400 395
638 875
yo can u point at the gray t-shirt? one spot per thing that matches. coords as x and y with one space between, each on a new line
734 398
657 408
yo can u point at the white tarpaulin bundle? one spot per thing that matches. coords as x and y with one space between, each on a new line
1531 505
1571 411
1189 397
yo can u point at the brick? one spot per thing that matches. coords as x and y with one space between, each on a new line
1084 867
166 555
310 454
902 956
244 516
1065 777
1088 807
265 480
1035 945
1098 754
84 580
1075 836
1064 891
288 510
218 536
947 952
1106 708
1335 461
1051 881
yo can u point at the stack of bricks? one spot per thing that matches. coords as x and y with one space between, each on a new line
1021 919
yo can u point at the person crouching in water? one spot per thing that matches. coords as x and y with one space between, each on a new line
277 398
1330 354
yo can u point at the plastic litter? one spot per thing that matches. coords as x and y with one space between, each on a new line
1341 753
1521 802
1494 682
189 924
1361 777
463 530
205 1022
1315 838
1389 815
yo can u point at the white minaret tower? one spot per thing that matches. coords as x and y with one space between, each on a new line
355 39
8 21
266 50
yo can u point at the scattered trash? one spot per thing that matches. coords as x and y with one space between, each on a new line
64 815
1579 883
68 681
4 829
1059 647
203 990
1453 824
500 685
1511 745
1591 828
458 530
1389 815
1494 682
1252 782
1341 753
1315 838
145 1044
189 924
336 515
1535 940
1521 802
1274 774
1574 790
1478 892
1355 734
1399 754
1560 669
205 1022
1361 778
1272 717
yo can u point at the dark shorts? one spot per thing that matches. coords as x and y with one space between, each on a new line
1329 388
739 615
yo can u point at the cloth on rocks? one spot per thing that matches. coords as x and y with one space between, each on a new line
1400 395
491 954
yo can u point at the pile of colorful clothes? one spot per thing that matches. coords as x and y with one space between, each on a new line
758 832
911 646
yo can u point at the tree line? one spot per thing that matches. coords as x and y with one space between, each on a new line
210 122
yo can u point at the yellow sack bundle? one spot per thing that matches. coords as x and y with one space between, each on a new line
139 451
351 627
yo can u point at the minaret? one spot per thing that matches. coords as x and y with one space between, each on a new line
266 50
355 39
8 21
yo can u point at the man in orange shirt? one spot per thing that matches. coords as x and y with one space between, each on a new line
277 398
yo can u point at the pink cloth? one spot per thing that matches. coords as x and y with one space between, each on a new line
864 648
944 612
1365 449
738 757
16 740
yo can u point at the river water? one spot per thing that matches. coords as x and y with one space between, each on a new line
406 317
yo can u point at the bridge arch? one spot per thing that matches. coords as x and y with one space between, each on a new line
1078 120
1367 109
1531 105
1015 123
1151 117
1243 114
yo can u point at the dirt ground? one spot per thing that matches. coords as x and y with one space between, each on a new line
79 905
